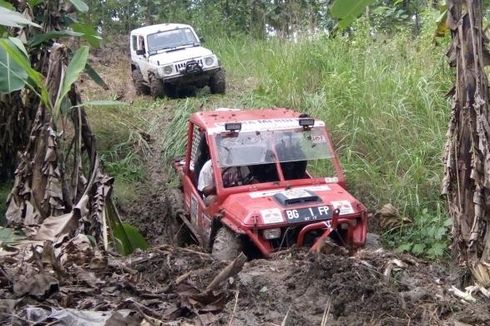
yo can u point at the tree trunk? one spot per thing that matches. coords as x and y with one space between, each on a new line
467 152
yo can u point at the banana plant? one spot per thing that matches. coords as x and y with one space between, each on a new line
52 184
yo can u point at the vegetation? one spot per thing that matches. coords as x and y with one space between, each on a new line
379 85
383 99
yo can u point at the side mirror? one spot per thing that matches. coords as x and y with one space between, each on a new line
140 52
202 39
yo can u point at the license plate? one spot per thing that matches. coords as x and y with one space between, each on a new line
309 214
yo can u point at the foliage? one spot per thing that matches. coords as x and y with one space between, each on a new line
4 191
427 236
256 18
8 236
50 184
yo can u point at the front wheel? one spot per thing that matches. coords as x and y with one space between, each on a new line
156 87
227 245
217 83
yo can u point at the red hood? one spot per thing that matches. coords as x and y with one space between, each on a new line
263 209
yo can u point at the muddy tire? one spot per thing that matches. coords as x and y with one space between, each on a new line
227 245
175 231
217 83
171 91
140 87
157 88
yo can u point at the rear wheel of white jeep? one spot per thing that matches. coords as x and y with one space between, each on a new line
217 83
227 245
157 88
175 231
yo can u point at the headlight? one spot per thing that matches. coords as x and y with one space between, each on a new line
209 61
270 234
167 70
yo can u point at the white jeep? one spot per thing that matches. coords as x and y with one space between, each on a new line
166 57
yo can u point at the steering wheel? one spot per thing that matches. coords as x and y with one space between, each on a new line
249 178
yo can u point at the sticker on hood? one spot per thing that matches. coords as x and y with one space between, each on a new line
271 216
344 206
269 193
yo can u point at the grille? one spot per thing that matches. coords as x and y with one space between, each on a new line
182 64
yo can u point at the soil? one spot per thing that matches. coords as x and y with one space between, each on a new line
167 285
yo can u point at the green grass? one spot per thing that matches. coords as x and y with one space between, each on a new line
382 99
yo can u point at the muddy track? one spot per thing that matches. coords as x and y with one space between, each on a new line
149 210
304 289
370 287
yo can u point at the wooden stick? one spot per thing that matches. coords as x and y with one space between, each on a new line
232 269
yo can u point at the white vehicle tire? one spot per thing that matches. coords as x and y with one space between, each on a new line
140 87
227 245
217 83
157 88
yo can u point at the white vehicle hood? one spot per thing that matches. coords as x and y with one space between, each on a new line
179 55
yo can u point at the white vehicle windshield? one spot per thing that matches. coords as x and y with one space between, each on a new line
264 147
171 39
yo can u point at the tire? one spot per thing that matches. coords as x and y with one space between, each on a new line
227 245
217 83
175 232
141 88
157 88
171 90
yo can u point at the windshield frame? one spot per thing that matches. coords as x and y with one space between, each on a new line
339 177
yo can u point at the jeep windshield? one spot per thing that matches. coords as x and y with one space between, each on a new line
259 149
169 40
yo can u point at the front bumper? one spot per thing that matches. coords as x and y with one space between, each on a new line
190 77
315 234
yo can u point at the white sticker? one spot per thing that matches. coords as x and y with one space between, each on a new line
331 180
318 139
271 216
269 193
295 193
344 206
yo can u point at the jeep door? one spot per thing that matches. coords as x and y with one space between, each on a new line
197 155
138 43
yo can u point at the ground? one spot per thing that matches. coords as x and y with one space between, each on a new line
167 285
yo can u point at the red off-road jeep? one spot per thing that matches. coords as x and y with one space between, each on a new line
293 192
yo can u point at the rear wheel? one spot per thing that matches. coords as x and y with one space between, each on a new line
227 245
156 87
175 231
141 88
217 83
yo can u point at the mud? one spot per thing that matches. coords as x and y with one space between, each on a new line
168 285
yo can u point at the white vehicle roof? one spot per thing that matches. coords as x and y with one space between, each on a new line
157 28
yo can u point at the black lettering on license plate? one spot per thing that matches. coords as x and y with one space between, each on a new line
308 214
